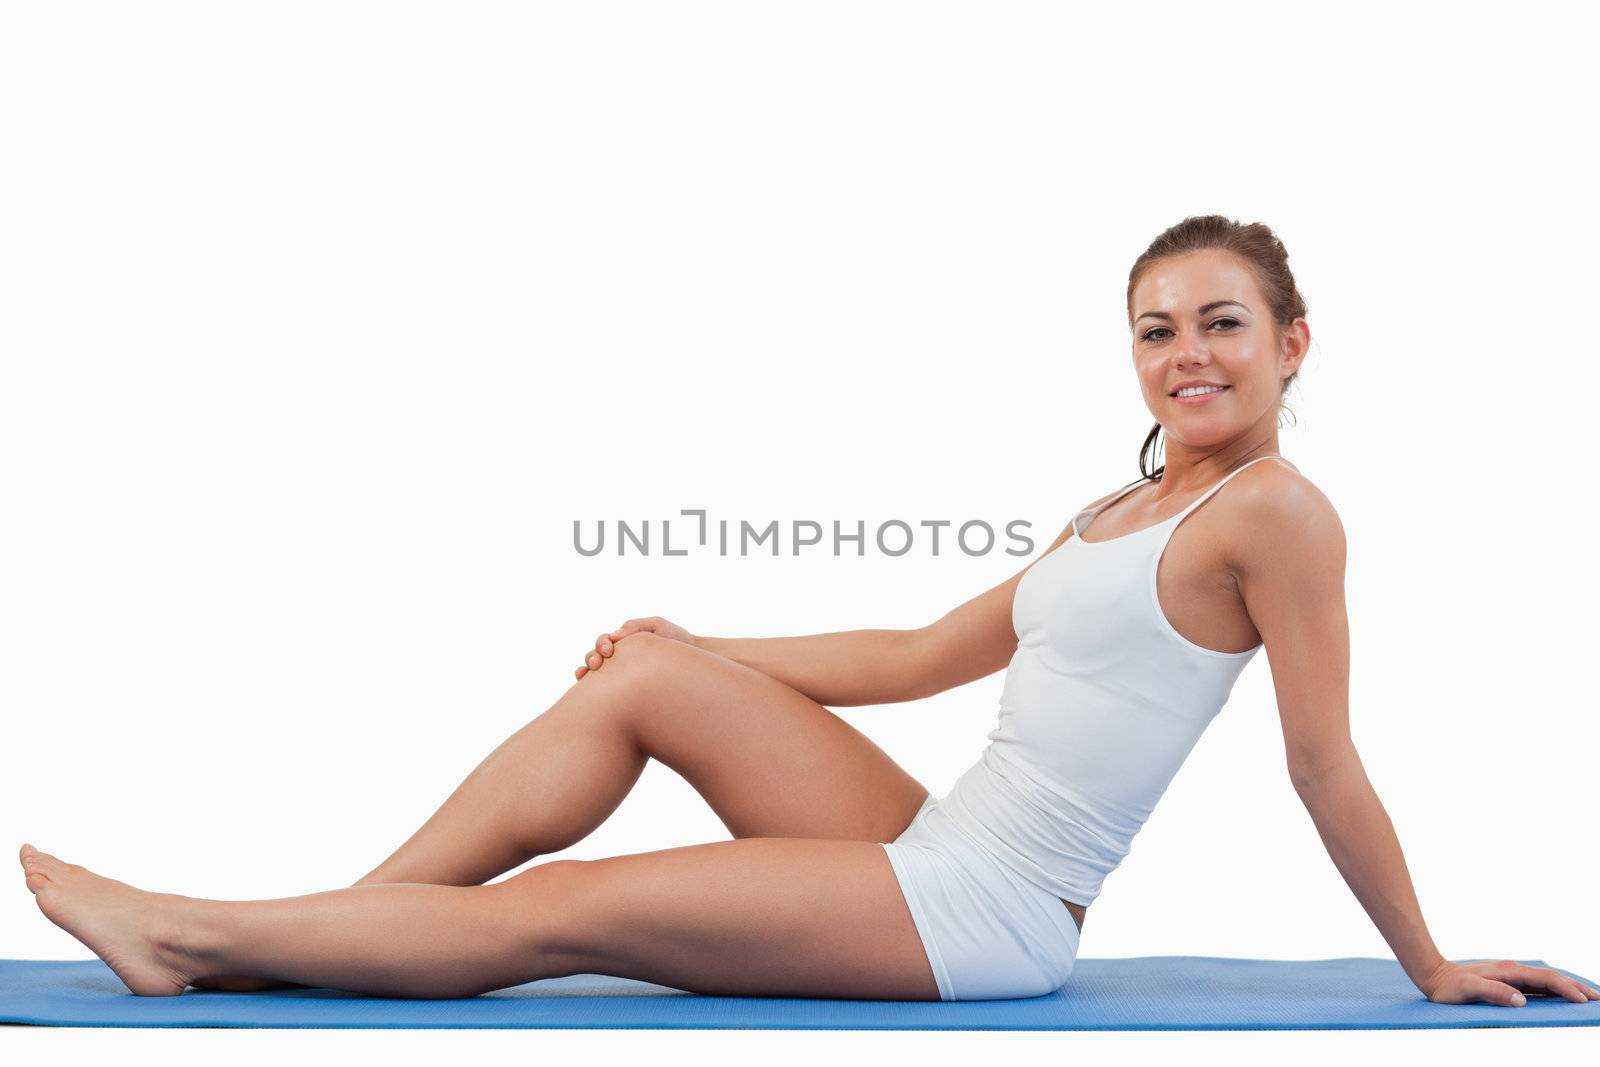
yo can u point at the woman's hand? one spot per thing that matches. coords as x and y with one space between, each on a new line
1501 982
605 644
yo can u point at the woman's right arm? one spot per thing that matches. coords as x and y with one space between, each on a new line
855 667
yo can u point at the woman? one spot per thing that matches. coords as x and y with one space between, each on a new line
845 878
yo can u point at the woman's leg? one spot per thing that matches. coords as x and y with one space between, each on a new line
544 788
760 916
769 760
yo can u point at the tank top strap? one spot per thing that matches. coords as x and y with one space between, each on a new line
1093 511
1203 497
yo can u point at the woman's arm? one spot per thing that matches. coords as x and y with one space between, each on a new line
1360 838
1291 575
843 669
856 667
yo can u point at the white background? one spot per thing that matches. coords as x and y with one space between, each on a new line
323 322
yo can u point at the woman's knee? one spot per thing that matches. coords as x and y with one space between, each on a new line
544 898
639 658
637 668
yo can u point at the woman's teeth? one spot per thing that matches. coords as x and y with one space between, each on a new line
1197 390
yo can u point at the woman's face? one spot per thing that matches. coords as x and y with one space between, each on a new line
1201 316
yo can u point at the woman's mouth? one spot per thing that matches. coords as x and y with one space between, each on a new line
1203 397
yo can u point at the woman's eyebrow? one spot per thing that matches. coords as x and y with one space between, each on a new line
1203 309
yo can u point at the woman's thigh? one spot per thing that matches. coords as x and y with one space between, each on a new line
769 760
755 917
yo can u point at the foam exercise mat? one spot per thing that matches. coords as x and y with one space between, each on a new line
1140 993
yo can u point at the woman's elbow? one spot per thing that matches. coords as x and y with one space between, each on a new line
1311 769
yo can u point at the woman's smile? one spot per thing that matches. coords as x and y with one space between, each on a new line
1201 398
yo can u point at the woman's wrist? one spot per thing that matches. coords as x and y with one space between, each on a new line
1427 978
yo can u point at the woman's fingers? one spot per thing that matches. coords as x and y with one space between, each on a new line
1541 979
1503 982
604 646
1468 985
1501 994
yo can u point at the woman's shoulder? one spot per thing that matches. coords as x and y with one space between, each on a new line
1277 508
1277 484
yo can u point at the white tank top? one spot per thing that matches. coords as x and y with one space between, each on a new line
1103 701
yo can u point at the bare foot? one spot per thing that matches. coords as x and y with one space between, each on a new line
124 926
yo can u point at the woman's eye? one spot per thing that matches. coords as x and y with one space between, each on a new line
1150 334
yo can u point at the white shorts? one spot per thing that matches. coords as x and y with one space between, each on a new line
990 934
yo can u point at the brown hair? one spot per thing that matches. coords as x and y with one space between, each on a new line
1262 253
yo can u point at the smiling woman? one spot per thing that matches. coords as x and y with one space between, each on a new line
846 877
1260 310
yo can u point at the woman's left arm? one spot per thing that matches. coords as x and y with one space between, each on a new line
1290 571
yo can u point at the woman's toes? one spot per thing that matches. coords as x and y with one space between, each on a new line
34 871
41 869
43 863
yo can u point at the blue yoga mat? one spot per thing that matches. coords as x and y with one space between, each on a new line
1141 993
